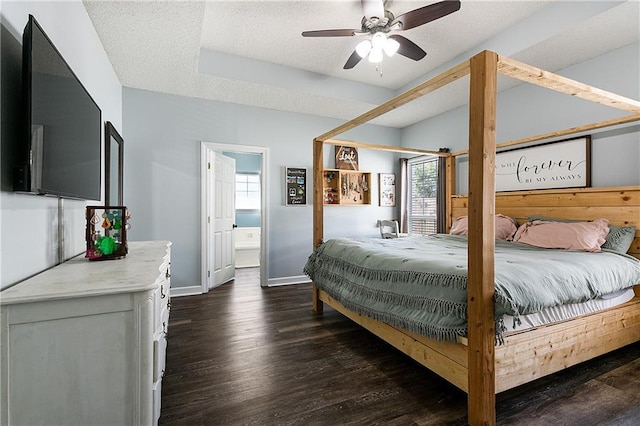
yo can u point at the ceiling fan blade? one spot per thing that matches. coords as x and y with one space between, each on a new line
425 14
352 61
408 48
329 33
373 8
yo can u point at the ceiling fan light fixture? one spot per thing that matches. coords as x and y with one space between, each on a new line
375 55
378 40
391 47
363 48
377 23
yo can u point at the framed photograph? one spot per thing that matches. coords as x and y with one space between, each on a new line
296 186
387 186
563 164
346 157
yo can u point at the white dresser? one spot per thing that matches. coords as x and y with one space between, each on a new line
84 343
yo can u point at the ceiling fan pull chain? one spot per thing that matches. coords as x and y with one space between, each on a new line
379 68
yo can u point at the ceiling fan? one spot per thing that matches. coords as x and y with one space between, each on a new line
382 25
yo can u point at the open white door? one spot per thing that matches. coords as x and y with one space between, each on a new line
209 154
221 241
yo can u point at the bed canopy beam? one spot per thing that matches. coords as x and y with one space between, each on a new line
559 133
420 90
539 77
389 148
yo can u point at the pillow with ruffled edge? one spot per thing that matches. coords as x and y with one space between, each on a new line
618 240
505 226
583 236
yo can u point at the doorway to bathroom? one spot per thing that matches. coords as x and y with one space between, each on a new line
234 212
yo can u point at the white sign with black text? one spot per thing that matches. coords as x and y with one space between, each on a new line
564 164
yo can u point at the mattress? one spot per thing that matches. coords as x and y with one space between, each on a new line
419 283
569 311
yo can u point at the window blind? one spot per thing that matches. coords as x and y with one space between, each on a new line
422 203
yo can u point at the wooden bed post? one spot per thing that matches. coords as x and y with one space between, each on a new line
450 184
318 211
481 281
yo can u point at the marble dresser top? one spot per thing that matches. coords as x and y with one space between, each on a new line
80 277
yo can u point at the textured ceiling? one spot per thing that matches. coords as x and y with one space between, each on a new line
252 52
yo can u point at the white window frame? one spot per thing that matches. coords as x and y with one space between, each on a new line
239 192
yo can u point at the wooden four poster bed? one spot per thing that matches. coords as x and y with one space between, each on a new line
474 363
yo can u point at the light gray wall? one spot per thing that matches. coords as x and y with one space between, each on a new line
527 110
162 180
28 223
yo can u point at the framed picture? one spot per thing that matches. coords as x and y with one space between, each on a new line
563 164
114 165
387 186
346 157
296 186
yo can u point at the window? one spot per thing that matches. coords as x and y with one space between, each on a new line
422 176
247 191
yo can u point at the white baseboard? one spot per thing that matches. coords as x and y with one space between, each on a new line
186 291
297 279
271 282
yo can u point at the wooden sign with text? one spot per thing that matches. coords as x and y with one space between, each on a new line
346 157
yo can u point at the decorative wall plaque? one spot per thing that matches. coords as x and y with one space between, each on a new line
346 157
564 164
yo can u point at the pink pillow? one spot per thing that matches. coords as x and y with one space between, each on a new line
460 226
585 236
505 227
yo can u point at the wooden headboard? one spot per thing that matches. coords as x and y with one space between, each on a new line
620 205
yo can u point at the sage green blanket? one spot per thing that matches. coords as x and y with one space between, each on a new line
419 283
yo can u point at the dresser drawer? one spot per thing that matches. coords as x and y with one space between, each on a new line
161 304
159 357
164 321
157 399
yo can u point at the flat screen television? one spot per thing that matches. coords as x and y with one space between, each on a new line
60 153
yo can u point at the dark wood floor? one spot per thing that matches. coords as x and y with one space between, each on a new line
245 355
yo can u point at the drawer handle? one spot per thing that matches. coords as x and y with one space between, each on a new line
162 293
167 274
